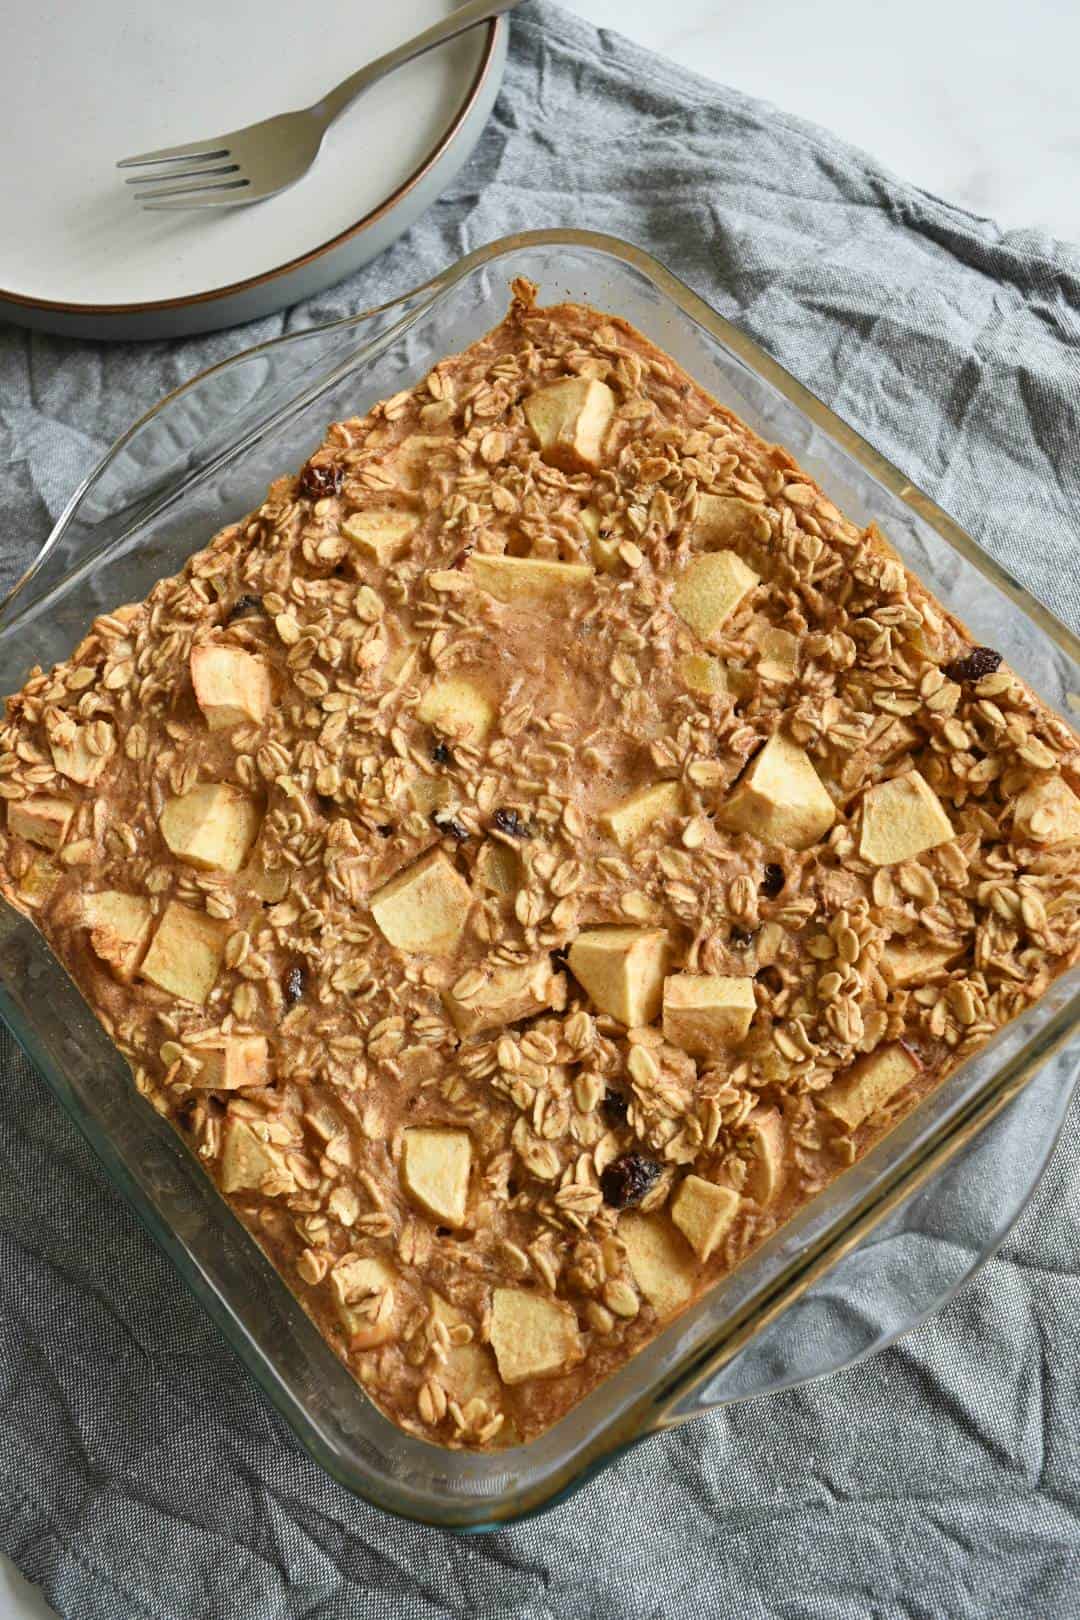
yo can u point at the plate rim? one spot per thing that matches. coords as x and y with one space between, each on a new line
231 289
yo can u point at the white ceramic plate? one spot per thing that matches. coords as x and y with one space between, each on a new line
84 84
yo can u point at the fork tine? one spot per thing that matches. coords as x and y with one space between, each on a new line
216 147
208 199
198 189
157 176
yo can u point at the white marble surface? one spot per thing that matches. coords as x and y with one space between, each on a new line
18 1599
974 100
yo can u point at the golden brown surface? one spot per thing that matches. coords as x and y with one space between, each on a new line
451 906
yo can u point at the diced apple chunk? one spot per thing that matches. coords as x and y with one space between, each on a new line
435 1167
401 658
232 687
709 589
325 1121
185 954
660 1262
901 817
230 1062
628 819
903 963
246 1160
703 674
603 546
532 1335
1048 812
764 1129
778 655
721 519
469 1369
212 827
72 754
703 1212
120 926
41 820
366 1289
423 908
781 799
741 681
623 971
38 881
380 536
498 868
507 995
414 455
269 883
569 421
704 1013
515 579
868 1086
458 707
429 793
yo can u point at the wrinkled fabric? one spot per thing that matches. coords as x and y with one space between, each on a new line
141 1472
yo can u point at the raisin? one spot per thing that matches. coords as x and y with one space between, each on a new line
614 1107
773 881
244 607
385 829
321 478
625 1182
185 1114
974 665
450 826
294 983
508 821
441 754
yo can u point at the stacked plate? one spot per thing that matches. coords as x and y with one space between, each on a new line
85 85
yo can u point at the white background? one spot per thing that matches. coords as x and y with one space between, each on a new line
974 100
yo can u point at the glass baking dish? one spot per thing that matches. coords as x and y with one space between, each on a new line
880 1248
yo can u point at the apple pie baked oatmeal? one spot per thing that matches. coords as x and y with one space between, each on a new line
533 854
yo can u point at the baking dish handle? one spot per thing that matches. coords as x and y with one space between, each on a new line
911 1266
200 426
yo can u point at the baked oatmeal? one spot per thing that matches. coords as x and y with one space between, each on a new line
532 855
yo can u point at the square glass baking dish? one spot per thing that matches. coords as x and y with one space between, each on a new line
880 1248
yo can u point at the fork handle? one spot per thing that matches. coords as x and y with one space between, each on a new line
335 101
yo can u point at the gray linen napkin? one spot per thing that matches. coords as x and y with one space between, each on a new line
141 1473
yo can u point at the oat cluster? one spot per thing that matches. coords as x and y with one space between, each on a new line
534 853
